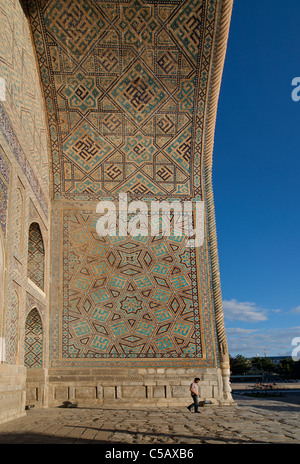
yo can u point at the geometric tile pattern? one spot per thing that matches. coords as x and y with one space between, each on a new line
4 185
127 297
119 301
14 144
12 321
125 86
36 256
23 122
33 355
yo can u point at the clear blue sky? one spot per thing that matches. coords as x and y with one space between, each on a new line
256 178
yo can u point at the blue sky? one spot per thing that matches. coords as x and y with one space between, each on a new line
256 178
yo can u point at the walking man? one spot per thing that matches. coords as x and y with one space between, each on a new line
195 395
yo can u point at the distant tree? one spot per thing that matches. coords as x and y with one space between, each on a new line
256 364
239 365
287 368
296 370
263 365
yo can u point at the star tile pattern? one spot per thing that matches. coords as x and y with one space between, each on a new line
128 297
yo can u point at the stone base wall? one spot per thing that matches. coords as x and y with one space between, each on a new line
36 388
12 392
151 387
161 387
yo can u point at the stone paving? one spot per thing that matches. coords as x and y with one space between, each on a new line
248 421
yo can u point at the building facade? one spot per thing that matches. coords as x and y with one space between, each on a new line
109 103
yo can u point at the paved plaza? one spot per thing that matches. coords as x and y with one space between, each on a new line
250 420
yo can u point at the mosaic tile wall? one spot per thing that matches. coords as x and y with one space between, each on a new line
23 99
12 332
126 85
22 159
128 297
33 357
24 170
36 256
127 300
4 185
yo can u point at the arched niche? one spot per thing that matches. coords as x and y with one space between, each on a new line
36 256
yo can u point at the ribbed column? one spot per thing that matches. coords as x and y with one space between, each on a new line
217 70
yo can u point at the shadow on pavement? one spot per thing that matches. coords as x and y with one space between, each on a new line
36 438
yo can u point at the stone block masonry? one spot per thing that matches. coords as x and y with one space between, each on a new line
151 386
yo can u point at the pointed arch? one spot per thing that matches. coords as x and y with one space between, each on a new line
36 256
